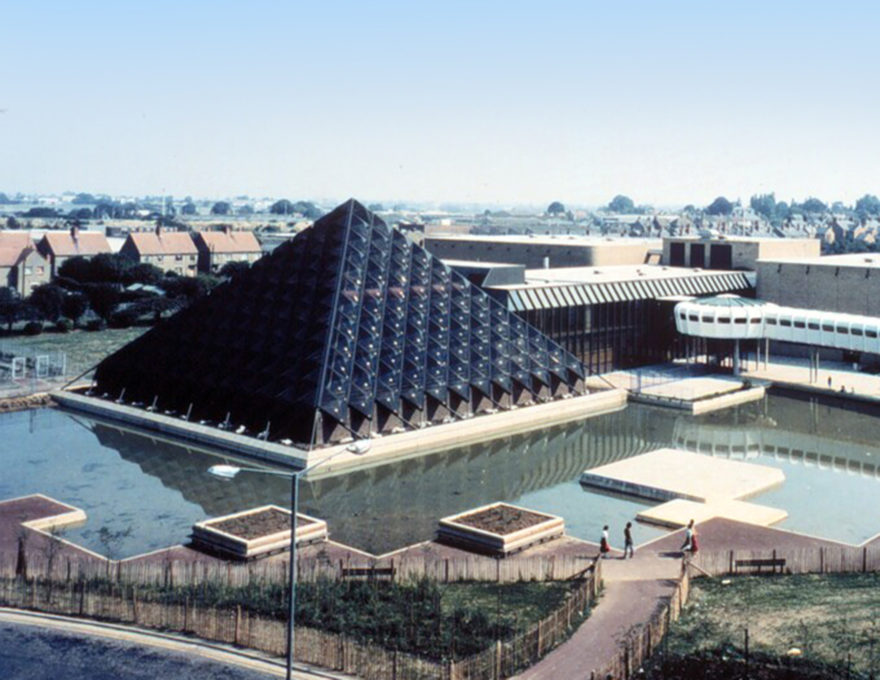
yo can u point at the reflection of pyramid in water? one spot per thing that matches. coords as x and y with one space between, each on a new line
348 328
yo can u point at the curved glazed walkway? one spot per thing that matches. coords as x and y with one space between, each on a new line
257 665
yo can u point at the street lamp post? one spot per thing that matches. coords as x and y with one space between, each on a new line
230 471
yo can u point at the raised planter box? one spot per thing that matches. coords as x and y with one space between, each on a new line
499 529
255 533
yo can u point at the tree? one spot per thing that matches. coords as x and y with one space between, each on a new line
11 306
221 208
307 209
84 199
146 273
76 268
622 204
764 205
555 208
189 208
720 206
42 212
868 205
74 306
110 267
103 298
246 209
282 207
814 205
376 207
80 214
47 300
232 269
190 287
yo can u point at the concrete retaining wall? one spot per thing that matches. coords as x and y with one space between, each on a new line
382 450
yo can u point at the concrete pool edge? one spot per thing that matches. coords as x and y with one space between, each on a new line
382 449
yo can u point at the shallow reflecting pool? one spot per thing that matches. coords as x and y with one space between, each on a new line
155 490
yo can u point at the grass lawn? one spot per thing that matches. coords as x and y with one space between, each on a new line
84 348
520 604
832 619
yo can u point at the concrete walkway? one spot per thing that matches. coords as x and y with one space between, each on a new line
795 372
633 590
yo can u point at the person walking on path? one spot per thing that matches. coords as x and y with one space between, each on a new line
689 537
628 541
604 547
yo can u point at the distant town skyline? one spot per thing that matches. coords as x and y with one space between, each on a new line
483 103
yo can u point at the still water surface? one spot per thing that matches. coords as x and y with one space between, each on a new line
155 490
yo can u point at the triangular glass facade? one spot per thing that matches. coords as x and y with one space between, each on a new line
347 330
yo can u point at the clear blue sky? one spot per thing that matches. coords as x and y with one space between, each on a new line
668 102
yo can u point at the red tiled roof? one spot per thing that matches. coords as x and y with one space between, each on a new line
15 239
62 244
230 242
14 247
166 243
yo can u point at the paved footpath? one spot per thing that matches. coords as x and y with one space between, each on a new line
634 588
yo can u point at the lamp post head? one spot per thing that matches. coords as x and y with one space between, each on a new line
224 471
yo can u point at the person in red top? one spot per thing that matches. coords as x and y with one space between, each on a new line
604 547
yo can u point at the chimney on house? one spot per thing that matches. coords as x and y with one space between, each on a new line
227 229
159 228
74 233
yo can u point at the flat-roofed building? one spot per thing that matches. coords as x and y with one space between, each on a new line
217 248
837 283
170 251
22 267
733 252
535 251
612 317
58 247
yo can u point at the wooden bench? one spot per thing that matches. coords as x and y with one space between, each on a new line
369 573
758 565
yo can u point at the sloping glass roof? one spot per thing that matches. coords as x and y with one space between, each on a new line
347 329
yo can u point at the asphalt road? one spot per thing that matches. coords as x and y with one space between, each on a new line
36 653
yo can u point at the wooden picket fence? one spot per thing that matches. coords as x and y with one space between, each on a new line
813 560
641 642
36 563
120 601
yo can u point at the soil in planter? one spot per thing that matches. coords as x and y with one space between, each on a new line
255 525
502 519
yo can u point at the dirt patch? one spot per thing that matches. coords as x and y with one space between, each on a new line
502 519
257 524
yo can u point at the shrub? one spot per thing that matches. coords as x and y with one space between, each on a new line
96 325
33 328
64 325
124 318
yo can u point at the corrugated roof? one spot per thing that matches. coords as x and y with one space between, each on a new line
547 296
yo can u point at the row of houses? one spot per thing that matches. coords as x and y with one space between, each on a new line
25 263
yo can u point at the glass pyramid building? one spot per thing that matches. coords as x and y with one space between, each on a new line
347 330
